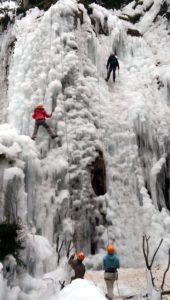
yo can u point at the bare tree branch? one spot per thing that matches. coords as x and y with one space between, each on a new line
59 247
163 281
69 246
166 293
155 253
146 295
144 252
147 248
62 284
147 239
146 255
57 243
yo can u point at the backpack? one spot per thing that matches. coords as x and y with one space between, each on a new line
113 61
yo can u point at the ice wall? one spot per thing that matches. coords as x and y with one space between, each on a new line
136 138
58 193
7 41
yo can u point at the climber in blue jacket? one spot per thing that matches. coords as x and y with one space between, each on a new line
110 264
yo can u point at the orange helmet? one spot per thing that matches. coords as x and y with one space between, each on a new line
111 249
80 256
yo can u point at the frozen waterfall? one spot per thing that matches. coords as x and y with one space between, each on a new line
108 180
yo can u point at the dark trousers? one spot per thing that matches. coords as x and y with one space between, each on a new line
110 69
45 125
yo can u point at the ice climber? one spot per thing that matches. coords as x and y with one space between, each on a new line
112 64
110 264
39 115
77 265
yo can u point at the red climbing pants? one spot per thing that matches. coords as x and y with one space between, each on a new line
45 125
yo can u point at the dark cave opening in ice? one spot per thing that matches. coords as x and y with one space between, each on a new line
98 175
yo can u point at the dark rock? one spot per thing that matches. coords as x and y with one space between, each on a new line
98 175
163 11
5 21
134 32
149 7
137 2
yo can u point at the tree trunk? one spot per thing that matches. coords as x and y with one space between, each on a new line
153 294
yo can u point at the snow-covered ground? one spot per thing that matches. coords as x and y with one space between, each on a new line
60 60
131 282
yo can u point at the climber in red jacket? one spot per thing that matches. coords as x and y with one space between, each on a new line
39 115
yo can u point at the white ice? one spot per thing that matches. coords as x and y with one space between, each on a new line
64 67
81 289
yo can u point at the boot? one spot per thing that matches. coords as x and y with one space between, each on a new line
108 297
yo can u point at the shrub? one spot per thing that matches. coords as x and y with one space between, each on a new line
10 243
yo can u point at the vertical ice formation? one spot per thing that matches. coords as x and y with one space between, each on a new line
61 75
7 41
15 152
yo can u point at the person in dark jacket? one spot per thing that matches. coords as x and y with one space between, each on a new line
112 65
110 264
39 115
77 265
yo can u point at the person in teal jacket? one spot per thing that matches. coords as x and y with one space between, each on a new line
111 264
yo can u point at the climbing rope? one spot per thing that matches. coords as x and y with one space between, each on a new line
66 135
80 53
80 42
66 121
49 55
102 141
78 39
101 134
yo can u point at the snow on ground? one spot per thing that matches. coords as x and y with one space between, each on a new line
90 114
81 289
130 282
51 56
